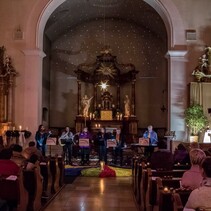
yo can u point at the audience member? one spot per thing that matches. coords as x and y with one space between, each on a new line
17 156
181 155
31 164
201 196
30 150
192 178
163 158
1 143
7 166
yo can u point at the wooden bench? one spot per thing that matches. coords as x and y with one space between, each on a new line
14 193
179 198
149 178
33 184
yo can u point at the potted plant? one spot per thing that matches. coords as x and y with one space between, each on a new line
196 121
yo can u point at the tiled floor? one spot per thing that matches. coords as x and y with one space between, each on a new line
95 194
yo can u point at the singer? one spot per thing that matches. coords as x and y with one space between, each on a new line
41 138
66 140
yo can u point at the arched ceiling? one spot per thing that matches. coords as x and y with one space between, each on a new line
72 13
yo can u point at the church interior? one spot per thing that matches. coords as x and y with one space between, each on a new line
112 64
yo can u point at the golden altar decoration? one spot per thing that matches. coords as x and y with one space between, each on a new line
106 115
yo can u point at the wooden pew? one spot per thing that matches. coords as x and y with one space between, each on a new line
54 175
165 189
134 175
32 181
179 198
61 170
14 193
149 178
45 175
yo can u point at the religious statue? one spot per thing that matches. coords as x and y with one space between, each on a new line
202 71
127 106
86 105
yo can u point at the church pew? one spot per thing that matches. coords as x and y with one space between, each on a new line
45 175
140 168
14 193
149 184
32 181
56 174
135 175
61 170
179 198
165 189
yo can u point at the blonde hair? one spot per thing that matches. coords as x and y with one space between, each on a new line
197 156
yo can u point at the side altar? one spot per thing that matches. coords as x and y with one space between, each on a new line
107 106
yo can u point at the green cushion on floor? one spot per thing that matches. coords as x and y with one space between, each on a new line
91 172
122 172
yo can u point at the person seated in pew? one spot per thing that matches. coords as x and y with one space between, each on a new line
32 149
1 143
17 156
7 166
201 197
181 155
162 159
31 164
192 178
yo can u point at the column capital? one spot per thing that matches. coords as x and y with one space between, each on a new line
34 52
176 53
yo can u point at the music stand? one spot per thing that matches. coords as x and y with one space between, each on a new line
51 141
84 142
111 143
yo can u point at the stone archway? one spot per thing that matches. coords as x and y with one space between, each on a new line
176 66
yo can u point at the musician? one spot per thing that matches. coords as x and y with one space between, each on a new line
101 140
151 134
85 150
153 139
66 140
120 141
41 138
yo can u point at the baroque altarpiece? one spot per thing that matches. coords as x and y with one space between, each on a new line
7 81
103 108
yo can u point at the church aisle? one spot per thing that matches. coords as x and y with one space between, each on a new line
95 194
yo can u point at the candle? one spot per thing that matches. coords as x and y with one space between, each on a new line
166 189
102 165
13 128
20 127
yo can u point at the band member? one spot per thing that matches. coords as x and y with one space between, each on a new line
66 140
120 141
85 150
101 140
41 138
